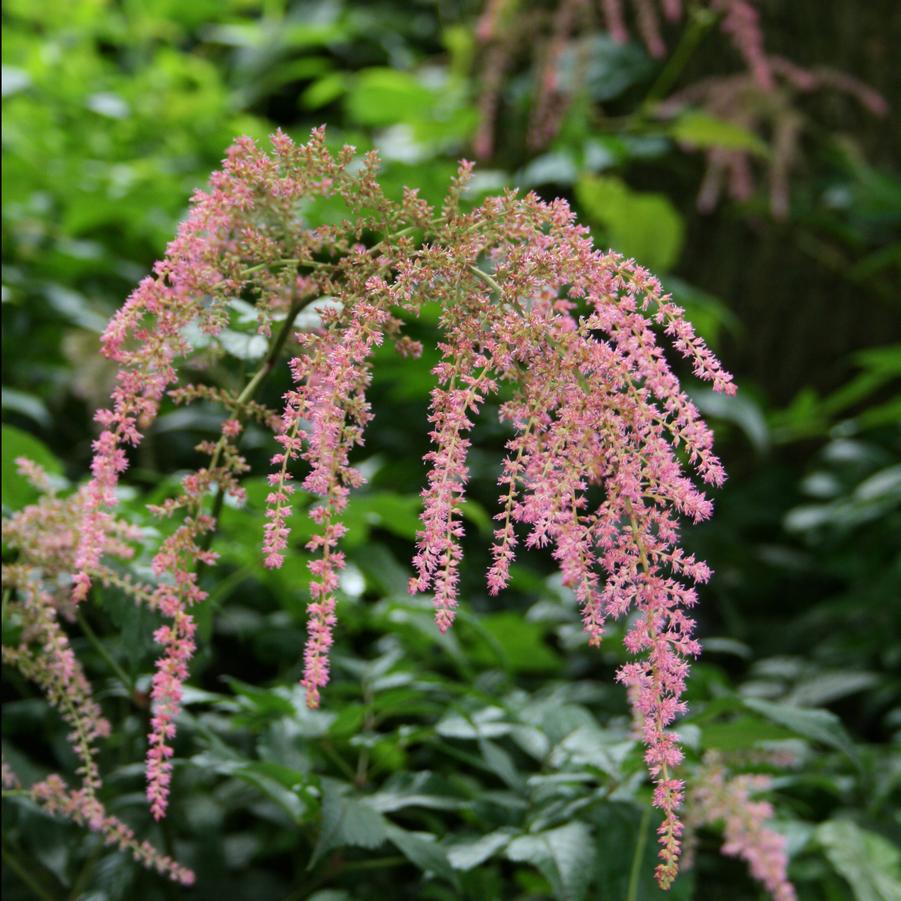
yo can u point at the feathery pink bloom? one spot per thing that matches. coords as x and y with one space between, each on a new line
55 797
717 797
598 469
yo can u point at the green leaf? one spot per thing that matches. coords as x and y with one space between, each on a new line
415 790
501 764
826 687
477 515
381 569
268 703
808 722
323 91
741 733
488 722
468 855
421 849
388 510
644 226
346 821
703 130
565 856
385 96
740 410
611 67
870 863
26 405
520 641
287 787
625 864
17 491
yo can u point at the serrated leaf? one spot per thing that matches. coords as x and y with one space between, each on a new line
346 821
808 722
501 764
565 856
422 850
285 786
468 855
415 790
489 722
870 863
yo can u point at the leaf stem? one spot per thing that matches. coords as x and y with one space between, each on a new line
640 844
97 644
700 22
247 394
24 873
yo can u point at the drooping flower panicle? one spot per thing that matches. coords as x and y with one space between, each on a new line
718 796
44 535
604 438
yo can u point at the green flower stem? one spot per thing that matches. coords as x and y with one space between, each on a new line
97 644
640 844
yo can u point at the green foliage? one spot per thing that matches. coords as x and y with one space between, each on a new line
17 493
870 864
639 225
497 761
701 130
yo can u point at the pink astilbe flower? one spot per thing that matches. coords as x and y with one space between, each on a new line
717 796
771 112
178 591
205 266
47 535
604 446
331 381
56 798
551 99
44 656
9 779
438 554
44 538
649 27
615 20
554 41
741 22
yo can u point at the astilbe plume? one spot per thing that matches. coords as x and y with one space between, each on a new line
44 538
505 31
739 21
717 796
763 99
603 435
772 115
178 591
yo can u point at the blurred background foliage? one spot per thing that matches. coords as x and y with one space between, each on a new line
496 761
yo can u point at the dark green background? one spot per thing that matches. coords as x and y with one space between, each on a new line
113 114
